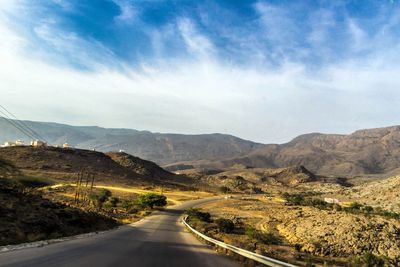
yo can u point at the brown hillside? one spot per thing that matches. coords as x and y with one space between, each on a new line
29 217
64 164
374 151
140 166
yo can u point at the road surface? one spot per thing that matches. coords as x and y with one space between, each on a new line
158 240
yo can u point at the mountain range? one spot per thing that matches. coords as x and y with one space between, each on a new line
371 151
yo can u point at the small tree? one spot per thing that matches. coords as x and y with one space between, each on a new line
151 199
225 225
112 202
101 197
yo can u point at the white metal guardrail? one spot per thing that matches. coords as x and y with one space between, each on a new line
250 255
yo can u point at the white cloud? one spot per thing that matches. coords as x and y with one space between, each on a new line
196 43
196 96
64 4
87 53
128 12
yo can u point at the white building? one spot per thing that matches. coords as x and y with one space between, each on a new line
66 145
8 144
331 200
19 142
38 143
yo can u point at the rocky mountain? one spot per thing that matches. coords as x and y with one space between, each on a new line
157 147
373 151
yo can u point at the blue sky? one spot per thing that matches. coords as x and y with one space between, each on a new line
262 70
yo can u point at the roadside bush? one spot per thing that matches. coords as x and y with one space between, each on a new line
369 260
265 238
250 231
100 197
198 214
112 202
151 199
268 238
128 205
225 225
29 182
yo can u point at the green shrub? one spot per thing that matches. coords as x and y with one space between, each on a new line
225 225
100 197
112 202
250 231
128 205
319 203
198 214
33 182
294 199
268 238
151 199
265 238
104 194
369 260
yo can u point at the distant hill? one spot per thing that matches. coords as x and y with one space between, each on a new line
371 151
157 147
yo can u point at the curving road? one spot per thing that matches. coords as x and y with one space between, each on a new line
158 240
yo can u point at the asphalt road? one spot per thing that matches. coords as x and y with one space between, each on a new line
158 240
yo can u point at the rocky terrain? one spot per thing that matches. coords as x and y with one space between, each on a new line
383 193
253 180
29 217
308 234
338 234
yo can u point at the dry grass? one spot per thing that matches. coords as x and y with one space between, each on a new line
173 196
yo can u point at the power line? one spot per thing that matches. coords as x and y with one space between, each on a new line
24 126
16 126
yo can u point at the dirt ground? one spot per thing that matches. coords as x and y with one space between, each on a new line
308 234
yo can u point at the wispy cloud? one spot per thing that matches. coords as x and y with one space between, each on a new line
196 43
83 53
127 12
263 78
